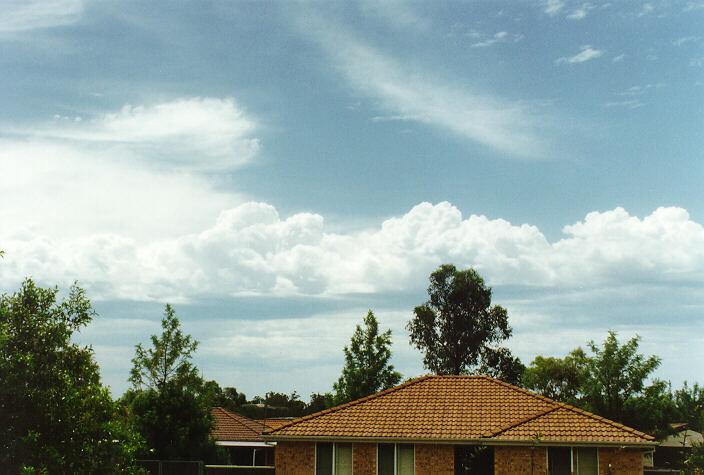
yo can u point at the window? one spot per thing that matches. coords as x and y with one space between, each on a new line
395 459
586 461
333 458
577 460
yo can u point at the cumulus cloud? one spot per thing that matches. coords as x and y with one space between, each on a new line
251 250
198 133
22 15
414 94
586 53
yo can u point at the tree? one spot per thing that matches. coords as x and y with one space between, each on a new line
175 424
611 382
367 367
458 329
168 360
169 401
55 416
615 375
557 378
689 404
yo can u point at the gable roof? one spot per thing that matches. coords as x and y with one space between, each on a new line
231 427
459 409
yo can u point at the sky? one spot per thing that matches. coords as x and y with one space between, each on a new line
276 169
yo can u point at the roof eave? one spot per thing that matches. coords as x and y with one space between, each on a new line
479 441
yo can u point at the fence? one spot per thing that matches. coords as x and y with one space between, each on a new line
191 467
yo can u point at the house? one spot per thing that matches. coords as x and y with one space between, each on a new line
670 454
456 424
242 438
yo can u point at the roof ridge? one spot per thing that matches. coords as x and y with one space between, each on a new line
520 422
577 410
351 403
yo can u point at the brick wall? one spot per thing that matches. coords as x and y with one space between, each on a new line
520 460
618 461
364 459
295 458
435 459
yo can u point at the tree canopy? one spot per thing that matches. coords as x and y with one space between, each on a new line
55 416
367 367
170 402
611 381
459 330
168 359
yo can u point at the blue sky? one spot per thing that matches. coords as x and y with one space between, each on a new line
276 169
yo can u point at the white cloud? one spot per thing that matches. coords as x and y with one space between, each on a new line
408 92
581 12
500 37
399 13
133 173
553 7
619 58
197 133
586 53
251 250
22 15
646 9
631 104
685 39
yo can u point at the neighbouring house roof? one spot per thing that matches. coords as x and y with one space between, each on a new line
472 409
275 423
231 427
683 438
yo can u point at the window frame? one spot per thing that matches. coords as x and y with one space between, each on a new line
574 459
334 444
396 445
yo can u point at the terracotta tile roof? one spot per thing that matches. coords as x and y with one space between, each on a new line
275 423
229 426
459 408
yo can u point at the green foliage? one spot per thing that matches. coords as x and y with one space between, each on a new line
170 404
175 423
689 406
610 382
274 404
367 367
557 378
55 416
168 359
695 462
215 396
616 374
459 330
320 402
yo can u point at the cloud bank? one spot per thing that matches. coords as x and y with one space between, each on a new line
251 250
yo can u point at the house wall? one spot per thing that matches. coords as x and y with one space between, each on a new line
520 460
364 459
618 461
295 458
435 459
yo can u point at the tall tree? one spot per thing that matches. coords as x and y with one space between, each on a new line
458 329
170 401
168 359
55 416
367 367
